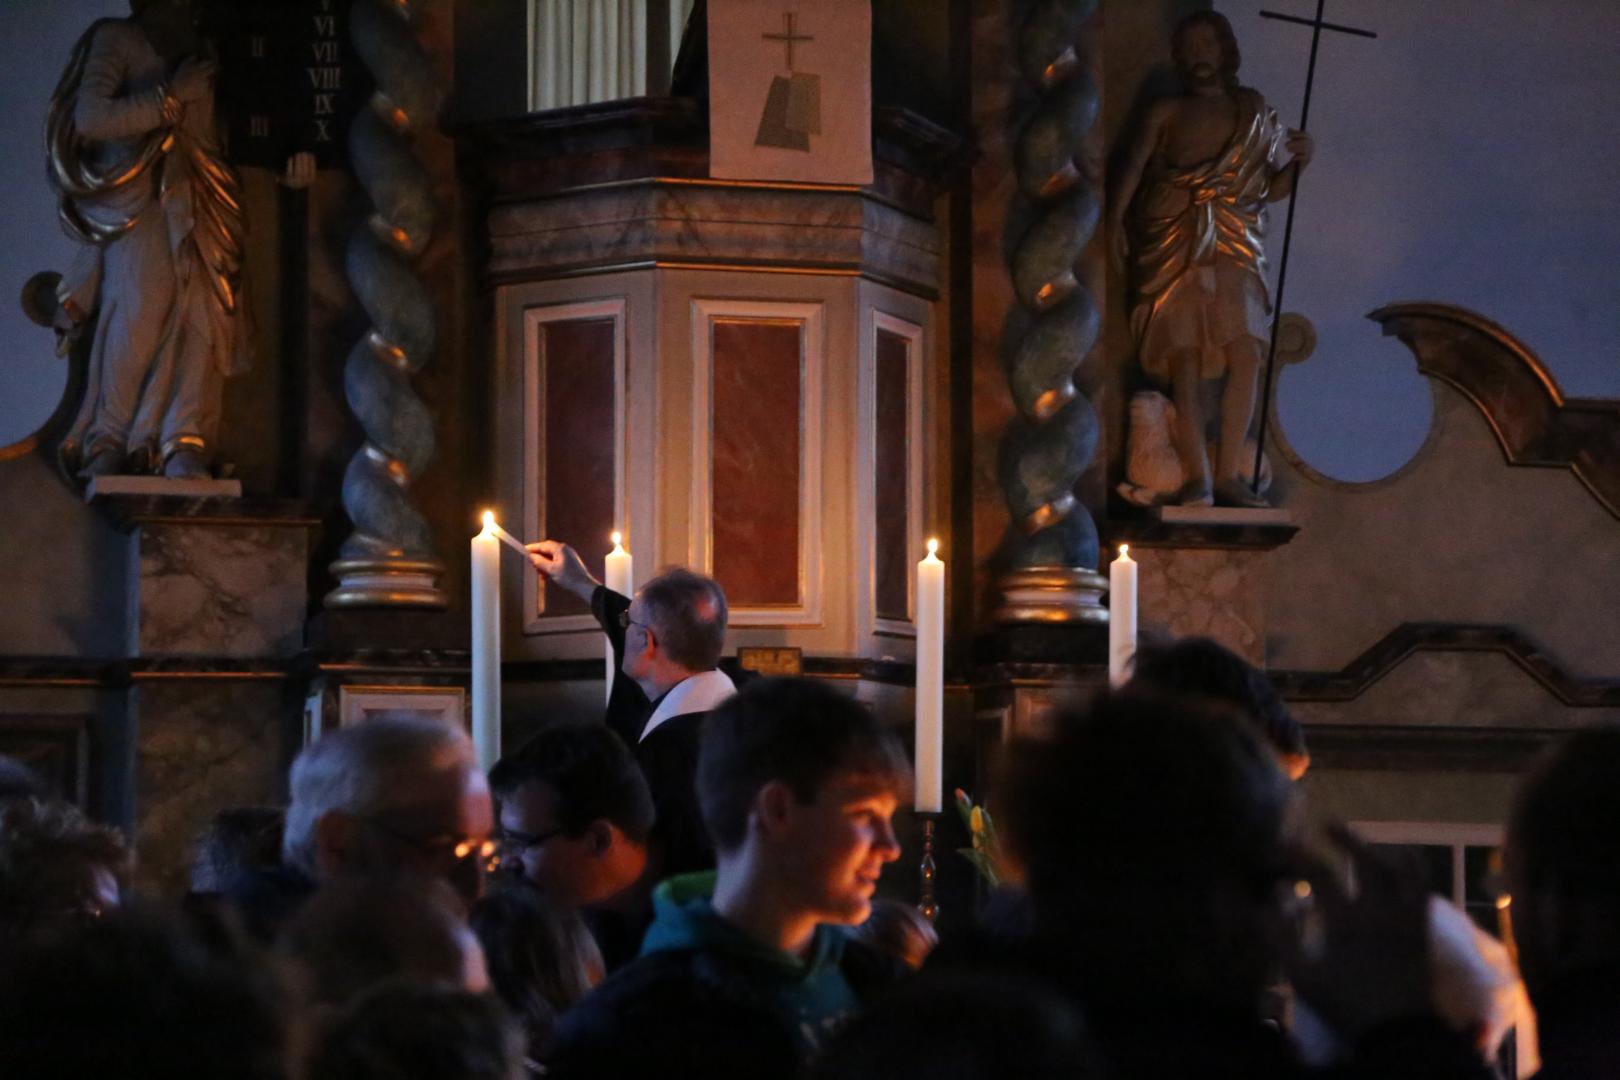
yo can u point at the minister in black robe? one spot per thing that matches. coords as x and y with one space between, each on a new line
666 643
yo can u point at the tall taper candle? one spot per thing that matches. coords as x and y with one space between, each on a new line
930 749
486 644
1121 616
617 575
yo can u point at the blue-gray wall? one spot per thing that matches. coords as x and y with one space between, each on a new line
1467 156
35 38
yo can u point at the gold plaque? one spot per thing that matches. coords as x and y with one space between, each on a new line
774 660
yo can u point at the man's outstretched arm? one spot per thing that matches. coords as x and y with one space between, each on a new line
561 565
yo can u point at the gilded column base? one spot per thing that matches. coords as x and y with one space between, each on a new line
1052 594
388 583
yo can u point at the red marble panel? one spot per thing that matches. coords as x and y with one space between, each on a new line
891 480
576 451
756 401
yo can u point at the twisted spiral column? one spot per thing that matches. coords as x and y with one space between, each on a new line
389 561
1052 577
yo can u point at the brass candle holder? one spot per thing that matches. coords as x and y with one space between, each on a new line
926 871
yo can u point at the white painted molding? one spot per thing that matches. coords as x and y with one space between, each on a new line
866 519
535 318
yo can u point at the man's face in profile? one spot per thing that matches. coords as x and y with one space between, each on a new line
835 846
594 866
439 829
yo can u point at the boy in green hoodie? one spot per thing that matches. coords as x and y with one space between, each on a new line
747 969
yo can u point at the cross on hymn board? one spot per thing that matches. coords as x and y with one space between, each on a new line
793 104
1317 25
788 37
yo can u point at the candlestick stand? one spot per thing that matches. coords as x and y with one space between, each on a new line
926 871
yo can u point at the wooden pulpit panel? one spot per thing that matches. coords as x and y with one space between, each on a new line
577 361
756 467
892 477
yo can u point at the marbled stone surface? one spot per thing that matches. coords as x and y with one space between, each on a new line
218 590
757 450
697 223
891 481
202 746
577 457
1215 593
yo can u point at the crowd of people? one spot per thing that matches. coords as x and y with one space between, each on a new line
691 889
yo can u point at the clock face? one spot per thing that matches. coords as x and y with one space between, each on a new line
290 80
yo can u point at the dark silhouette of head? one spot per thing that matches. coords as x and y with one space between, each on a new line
358 933
1562 869
133 994
967 1027
1200 667
56 866
238 843
1155 837
542 959
423 1031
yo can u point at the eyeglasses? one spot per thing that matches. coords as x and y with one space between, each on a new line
445 848
626 622
513 843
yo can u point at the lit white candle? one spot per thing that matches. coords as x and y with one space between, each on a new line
618 575
486 644
505 537
1121 616
930 748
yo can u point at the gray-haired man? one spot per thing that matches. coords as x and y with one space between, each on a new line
389 796
668 640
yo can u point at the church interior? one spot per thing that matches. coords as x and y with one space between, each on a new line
781 292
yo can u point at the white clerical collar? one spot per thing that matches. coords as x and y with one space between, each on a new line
695 693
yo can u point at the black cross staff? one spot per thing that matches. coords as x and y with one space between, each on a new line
1317 26
789 38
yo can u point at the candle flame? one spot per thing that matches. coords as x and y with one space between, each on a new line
615 537
933 546
489 519
1124 551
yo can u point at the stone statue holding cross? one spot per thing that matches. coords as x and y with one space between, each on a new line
1189 216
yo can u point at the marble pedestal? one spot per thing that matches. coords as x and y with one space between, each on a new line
1202 573
216 595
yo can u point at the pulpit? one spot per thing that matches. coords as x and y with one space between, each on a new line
741 377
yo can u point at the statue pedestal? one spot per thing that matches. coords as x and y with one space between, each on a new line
1203 572
106 487
217 590
209 576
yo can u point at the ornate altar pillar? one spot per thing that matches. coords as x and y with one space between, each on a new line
1036 286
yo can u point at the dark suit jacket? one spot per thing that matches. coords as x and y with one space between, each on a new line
627 708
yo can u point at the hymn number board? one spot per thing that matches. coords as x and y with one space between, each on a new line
289 80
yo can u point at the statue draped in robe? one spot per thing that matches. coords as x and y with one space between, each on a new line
1200 263
136 163
1189 213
